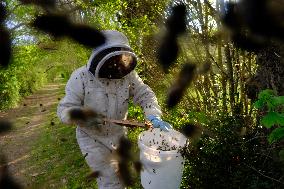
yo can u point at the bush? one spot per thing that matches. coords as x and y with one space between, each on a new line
232 158
9 89
32 67
22 77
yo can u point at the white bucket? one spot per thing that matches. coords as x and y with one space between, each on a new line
161 169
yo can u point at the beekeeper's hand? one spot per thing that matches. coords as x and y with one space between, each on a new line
158 123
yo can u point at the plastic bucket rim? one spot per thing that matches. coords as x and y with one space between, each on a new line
155 151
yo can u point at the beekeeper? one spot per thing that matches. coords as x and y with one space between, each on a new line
105 85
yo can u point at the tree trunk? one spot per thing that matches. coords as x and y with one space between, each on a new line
231 77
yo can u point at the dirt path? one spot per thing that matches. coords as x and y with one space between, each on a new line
29 119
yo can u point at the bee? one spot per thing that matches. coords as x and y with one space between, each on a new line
93 175
175 25
5 126
5 39
5 46
59 26
138 166
6 180
253 23
191 130
184 79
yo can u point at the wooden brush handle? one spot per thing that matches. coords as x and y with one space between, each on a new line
128 123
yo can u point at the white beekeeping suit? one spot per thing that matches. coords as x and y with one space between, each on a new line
110 97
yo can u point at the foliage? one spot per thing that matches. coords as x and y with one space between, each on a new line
14 81
270 99
34 66
274 115
229 159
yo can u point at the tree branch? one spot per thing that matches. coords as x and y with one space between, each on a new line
213 12
264 174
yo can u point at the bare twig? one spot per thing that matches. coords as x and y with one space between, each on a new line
264 174
212 58
250 139
48 69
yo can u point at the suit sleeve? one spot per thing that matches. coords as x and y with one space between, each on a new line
74 97
144 96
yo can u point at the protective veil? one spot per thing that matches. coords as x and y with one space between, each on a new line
91 86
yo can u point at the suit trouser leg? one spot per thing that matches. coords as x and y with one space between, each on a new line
98 159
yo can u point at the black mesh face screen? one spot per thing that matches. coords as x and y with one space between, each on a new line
118 66
102 54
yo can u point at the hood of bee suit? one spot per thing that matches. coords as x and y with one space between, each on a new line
116 44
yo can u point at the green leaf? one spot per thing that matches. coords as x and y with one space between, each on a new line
280 121
266 94
259 104
267 97
277 101
276 135
270 119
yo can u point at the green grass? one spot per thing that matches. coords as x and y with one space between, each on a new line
57 159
